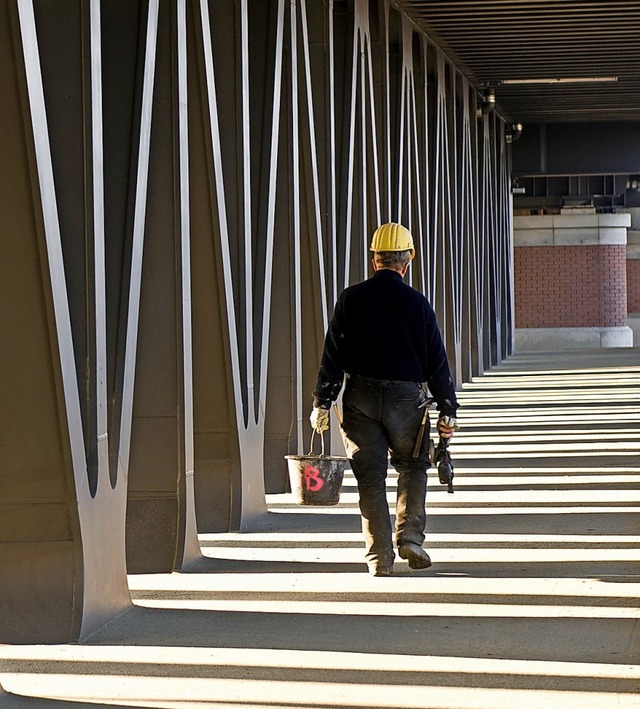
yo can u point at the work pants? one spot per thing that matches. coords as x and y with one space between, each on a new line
383 418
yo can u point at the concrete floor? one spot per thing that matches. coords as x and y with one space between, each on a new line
532 599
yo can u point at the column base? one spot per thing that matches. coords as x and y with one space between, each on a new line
568 338
634 323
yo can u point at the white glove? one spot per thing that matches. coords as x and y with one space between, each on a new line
319 420
446 426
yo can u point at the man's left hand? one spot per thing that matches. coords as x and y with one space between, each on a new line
319 420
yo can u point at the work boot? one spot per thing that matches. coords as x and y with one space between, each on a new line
415 555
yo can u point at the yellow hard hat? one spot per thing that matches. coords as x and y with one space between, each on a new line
392 237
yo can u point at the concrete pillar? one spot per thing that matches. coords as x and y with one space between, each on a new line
570 281
95 207
231 287
633 284
62 512
161 525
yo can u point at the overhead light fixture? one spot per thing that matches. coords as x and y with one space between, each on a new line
514 132
487 103
563 80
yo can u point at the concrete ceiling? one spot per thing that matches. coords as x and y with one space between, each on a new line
493 41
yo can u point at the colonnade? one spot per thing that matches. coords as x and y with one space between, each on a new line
186 188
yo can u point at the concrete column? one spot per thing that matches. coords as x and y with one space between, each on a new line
571 282
95 208
61 513
633 284
231 283
161 527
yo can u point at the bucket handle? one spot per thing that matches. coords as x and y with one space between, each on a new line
313 435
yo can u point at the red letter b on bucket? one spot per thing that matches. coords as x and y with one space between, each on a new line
312 479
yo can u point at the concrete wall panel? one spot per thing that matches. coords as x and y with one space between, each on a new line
38 607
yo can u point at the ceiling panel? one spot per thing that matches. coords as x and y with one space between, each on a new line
493 41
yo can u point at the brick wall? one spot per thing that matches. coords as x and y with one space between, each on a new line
570 286
633 285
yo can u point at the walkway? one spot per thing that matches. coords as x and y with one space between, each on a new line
532 600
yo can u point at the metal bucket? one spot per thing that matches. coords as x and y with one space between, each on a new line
316 479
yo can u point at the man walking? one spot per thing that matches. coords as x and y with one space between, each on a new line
384 337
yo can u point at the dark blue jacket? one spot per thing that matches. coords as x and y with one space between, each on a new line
384 329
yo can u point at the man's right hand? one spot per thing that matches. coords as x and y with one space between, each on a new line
446 426
319 420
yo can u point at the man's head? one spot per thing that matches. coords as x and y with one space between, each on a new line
398 260
392 247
